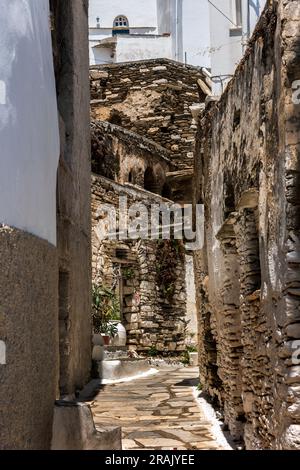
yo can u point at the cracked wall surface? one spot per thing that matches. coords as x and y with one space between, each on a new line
248 284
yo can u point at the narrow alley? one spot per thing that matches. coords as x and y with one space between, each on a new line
157 412
150 229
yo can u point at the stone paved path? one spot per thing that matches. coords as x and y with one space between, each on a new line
156 412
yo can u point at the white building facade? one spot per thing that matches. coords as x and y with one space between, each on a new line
231 25
128 30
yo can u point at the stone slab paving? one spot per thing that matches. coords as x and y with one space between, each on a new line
156 412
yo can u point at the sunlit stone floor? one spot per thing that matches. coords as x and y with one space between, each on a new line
156 412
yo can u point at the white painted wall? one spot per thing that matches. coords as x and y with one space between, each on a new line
164 11
130 48
141 48
188 23
101 55
29 133
140 13
226 48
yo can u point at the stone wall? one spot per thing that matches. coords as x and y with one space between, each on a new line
151 98
154 320
70 44
28 275
45 289
143 133
247 175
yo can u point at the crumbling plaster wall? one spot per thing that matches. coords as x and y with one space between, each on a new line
247 174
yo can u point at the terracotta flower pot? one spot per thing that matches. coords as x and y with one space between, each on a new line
106 340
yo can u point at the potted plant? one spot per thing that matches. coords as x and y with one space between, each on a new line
103 312
108 331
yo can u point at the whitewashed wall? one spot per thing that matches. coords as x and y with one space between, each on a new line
101 55
170 21
164 11
191 306
196 32
227 49
256 7
29 133
186 20
140 13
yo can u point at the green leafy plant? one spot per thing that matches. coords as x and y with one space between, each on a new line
105 309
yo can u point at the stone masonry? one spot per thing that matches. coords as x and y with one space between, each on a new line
153 322
45 289
151 98
143 134
248 284
157 100
124 157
